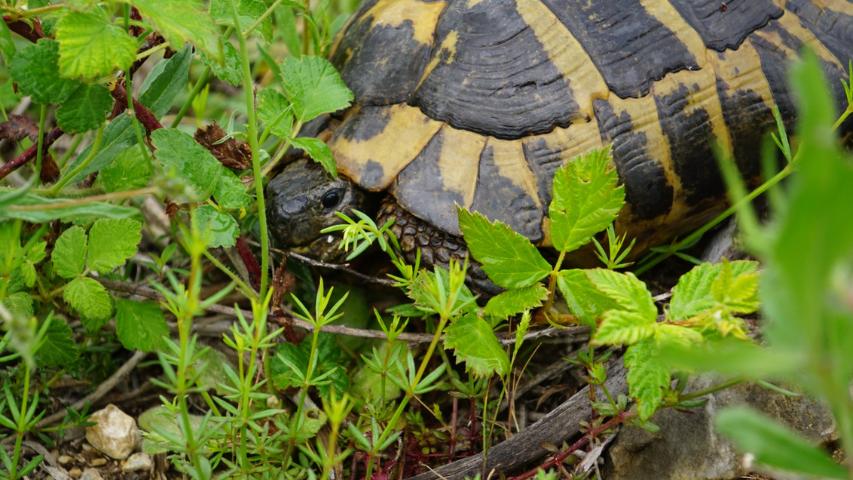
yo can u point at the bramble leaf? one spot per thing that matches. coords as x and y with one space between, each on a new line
508 258
648 377
474 343
621 327
585 301
187 159
130 170
775 445
274 110
231 68
35 69
86 109
218 228
230 193
91 300
694 293
586 199
58 348
627 291
314 87
112 242
319 152
186 21
140 325
515 301
69 253
90 46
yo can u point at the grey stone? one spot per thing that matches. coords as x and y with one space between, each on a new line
114 432
138 462
91 474
688 448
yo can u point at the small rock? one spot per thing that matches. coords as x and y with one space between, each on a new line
75 472
114 433
687 447
91 474
64 459
98 462
138 462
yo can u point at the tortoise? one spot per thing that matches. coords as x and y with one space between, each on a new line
476 103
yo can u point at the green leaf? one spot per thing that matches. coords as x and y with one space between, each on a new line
586 199
621 327
585 301
508 258
218 228
58 348
91 300
513 302
140 325
19 304
112 242
36 71
7 44
736 287
474 343
274 110
774 445
69 253
161 421
90 46
165 82
231 68
230 193
319 152
314 87
85 110
329 359
182 156
648 377
735 357
248 12
56 209
693 294
186 21
627 291
130 170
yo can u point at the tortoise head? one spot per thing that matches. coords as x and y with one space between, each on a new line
302 201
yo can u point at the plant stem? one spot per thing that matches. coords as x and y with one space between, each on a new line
188 103
40 143
83 201
22 423
712 389
68 177
252 133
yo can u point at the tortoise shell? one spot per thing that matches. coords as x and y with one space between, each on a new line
477 102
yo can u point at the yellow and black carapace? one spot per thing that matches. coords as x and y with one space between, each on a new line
477 102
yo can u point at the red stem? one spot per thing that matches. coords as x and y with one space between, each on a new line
562 456
145 116
249 260
29 153
31 32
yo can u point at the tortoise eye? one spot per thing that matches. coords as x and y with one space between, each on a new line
331 198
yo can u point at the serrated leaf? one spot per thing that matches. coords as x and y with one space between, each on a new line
140 325
218 228
775 445
668 334
693 294
627 291
230 193
36 71
508 258
314 87
231 68
185 21
19 304
319 152
112 242
515 301
585 301
182 156
130 170
86 109
274 110
58 348
248 11
474 343
620 327
648 377
91 300
735 288
69 253
90 46
586 199
7 44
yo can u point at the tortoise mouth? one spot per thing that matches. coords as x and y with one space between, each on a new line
325 248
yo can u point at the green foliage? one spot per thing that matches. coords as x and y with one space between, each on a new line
313 87
86 109
90 46
35 69
140 325
181 22
91 300
474 342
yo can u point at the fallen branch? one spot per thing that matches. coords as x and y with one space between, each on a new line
530 444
